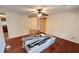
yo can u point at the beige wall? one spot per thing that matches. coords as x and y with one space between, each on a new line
17 24
65 25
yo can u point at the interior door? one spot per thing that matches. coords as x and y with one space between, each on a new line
43 24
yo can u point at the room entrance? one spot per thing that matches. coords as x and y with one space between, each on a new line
37 25
4 27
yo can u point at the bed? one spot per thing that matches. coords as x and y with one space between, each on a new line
37 43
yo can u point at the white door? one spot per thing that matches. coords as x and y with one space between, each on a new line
2 40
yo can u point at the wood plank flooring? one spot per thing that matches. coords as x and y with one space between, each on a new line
60 46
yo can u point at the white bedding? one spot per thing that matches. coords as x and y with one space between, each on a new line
37 48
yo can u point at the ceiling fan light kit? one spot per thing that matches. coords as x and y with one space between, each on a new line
39 14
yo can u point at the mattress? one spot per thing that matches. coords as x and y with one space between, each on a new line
37 44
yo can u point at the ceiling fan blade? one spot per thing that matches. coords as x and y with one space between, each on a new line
44 14
47 9
32 10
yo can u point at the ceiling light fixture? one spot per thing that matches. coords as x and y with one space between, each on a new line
39 14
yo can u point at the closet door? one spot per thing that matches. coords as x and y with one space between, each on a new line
43 24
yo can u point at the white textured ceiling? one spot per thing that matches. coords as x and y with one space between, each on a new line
52 9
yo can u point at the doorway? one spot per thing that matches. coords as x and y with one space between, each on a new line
4 28
37 25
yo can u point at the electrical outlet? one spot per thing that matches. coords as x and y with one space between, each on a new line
72 37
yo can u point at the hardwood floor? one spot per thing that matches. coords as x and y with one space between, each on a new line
63 46
60 46
16 46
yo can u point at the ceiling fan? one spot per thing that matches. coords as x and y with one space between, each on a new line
39 12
